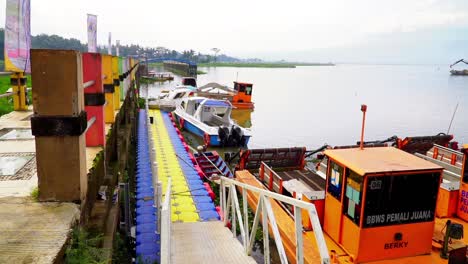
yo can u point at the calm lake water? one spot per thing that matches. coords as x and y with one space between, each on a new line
311 106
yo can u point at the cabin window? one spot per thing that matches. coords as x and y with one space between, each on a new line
335 179
241 88
353 196
400 199
248 90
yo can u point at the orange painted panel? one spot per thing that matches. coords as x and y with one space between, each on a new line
379 243
463 202
332 217
350 236
319 206
447 203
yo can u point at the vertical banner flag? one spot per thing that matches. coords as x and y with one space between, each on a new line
117 44
17 36
109 45
92 33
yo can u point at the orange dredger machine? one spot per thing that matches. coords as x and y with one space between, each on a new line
380 202
243 97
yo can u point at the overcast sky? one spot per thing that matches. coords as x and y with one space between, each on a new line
270 29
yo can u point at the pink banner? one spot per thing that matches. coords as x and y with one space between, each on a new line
17 36
92 33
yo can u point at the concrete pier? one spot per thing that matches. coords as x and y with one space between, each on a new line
30 232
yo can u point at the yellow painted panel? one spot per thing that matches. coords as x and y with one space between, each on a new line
19 94
107 68
109 114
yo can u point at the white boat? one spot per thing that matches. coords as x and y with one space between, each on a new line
167 100
211 120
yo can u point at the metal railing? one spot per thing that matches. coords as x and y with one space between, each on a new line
163 208
166 225
230 207
6 73
7 94
267 174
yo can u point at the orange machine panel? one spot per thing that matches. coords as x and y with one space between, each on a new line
381 243
350 236
332 217
319 206
447 201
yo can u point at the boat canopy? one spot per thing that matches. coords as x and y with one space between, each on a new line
217 103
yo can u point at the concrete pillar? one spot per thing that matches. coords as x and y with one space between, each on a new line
58 124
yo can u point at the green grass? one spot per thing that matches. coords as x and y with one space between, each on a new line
154 64
35 194
247 65
85 248
314 64
261 64
200 72
6 103
178 72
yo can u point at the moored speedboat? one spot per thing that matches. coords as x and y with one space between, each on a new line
158 76
167 101
240 96
211 120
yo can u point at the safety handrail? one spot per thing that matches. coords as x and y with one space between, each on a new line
163 208
6 94
216 167
266 171
230 205
166 224
6 73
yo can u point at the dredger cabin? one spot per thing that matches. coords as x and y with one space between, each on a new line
380 202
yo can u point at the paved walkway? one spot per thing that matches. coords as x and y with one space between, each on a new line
206 242
32 232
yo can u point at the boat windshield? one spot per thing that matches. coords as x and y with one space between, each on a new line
400 199
219 111
179 95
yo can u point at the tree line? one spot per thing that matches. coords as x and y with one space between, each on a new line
44 41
